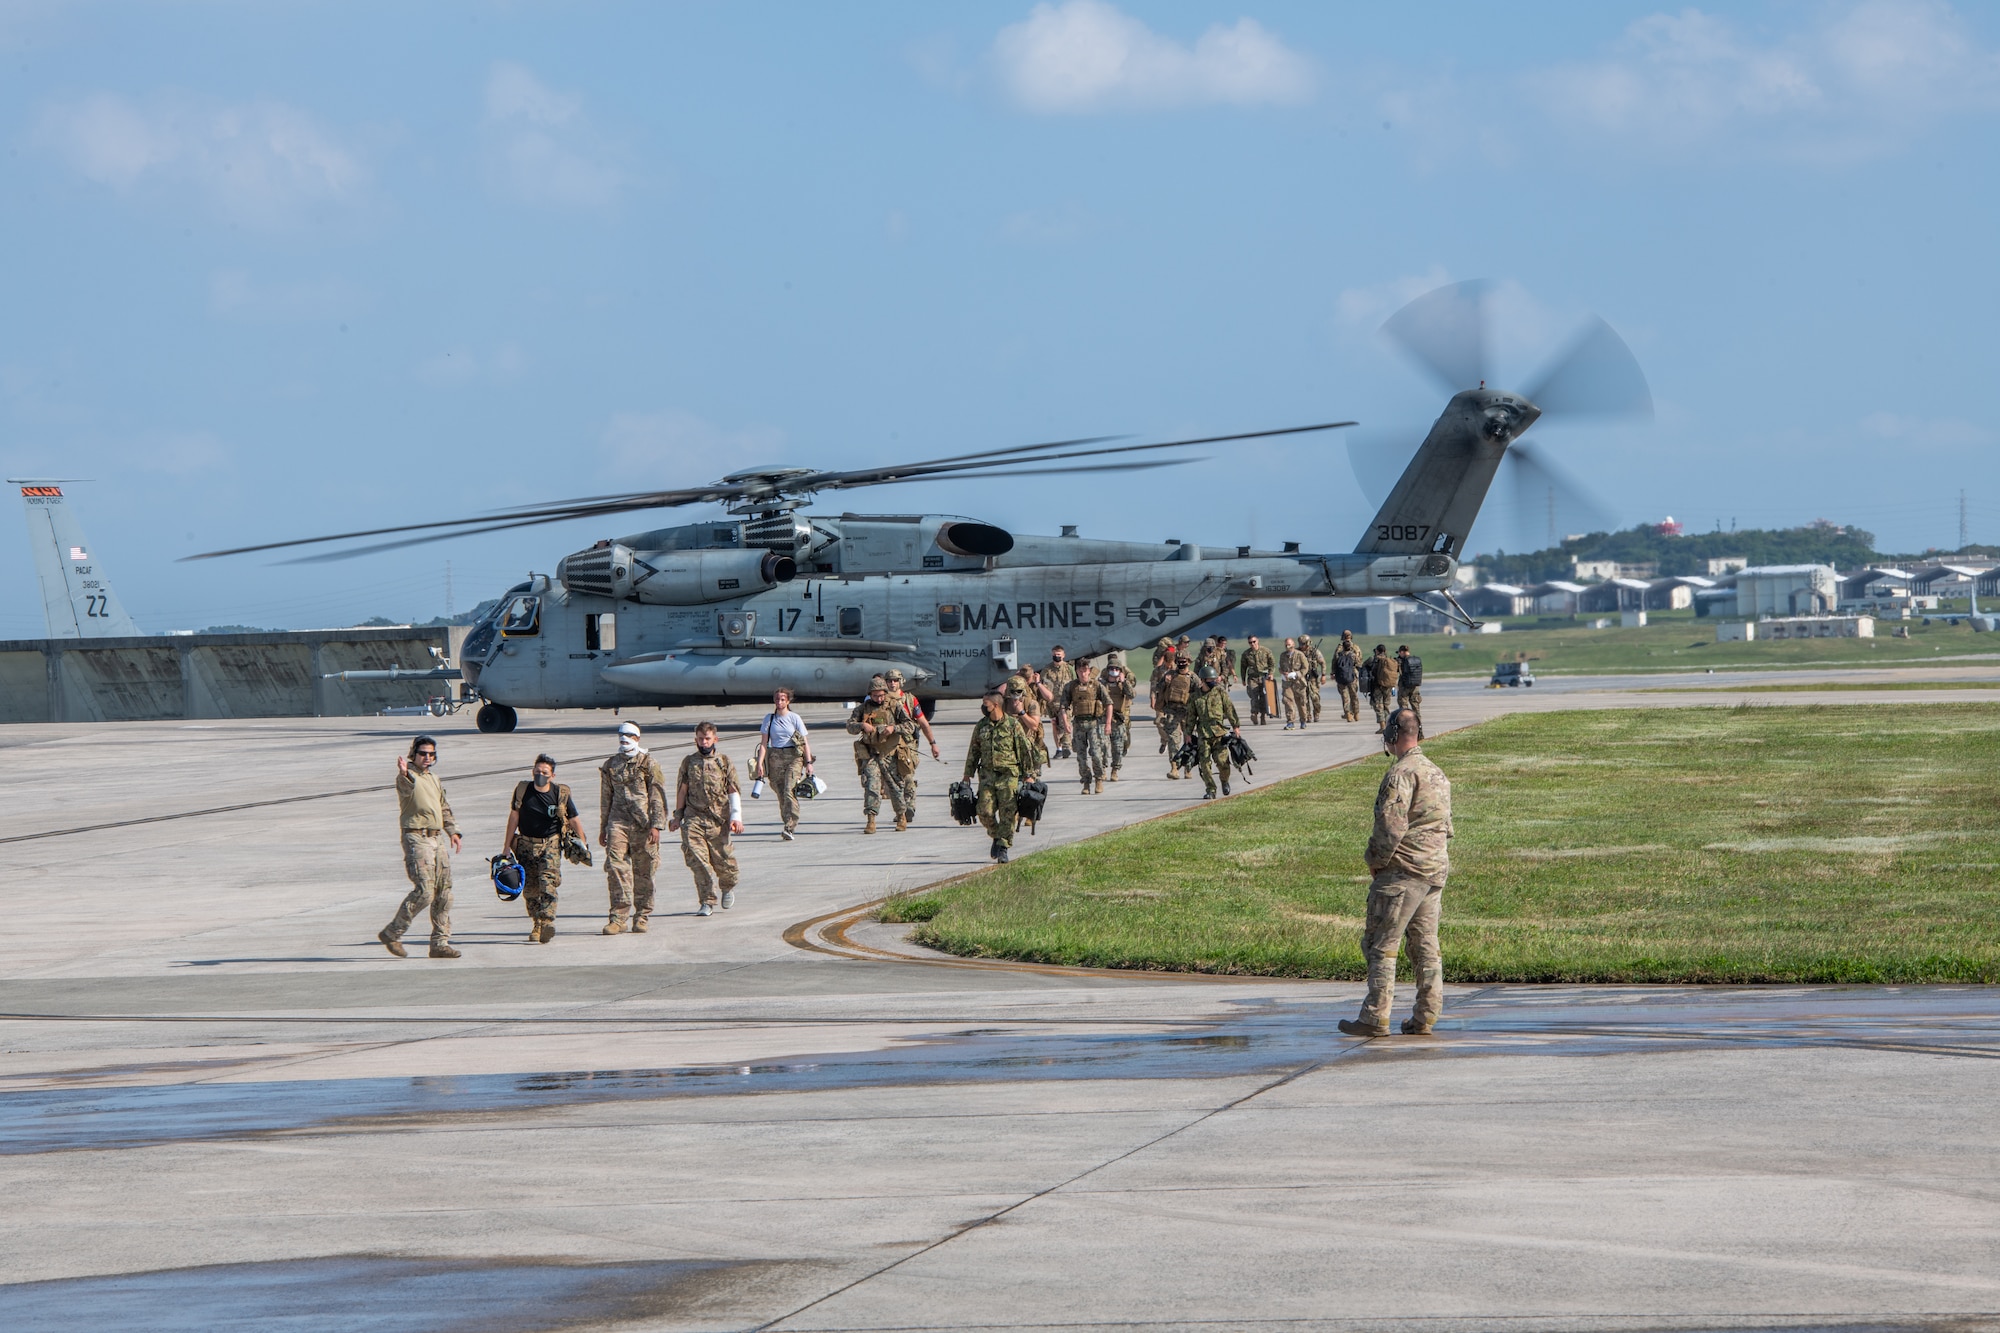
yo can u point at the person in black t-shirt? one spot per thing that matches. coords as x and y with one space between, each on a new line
541 809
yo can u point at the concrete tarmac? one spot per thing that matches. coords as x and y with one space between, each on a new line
227 1106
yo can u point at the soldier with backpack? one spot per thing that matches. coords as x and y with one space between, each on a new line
541 813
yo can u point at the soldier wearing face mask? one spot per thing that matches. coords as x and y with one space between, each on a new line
708 807
633 799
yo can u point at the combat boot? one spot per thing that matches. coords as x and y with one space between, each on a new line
640 925
534 931
1099 789
902 821
392 945
443 951
1412 1028
548 929
1114 775
1086 788
993 852
871 825
615 926
1225 789
1173 775
1002 857
1354 1028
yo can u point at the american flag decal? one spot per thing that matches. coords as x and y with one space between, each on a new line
77 553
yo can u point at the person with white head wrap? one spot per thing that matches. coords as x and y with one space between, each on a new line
633 801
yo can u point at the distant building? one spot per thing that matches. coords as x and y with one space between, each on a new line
1556 597
1726 564
1615 594
1786 590
1326 617
1817 627
1497 599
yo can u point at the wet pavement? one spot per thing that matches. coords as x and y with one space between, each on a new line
221 1105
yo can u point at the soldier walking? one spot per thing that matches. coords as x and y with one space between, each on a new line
1315 672
1212 721
1057 675
1347 676
537 818
1118 683
1000 757
1409 857
1409 683
708 807
1163 671
1028 700
424 816
910 720
1257 667
1088 705
875 725
632 799
1382 684
1171 704
1292 669
784 757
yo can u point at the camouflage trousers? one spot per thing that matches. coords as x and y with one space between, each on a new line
1037 742
1172 722
1296 709
1093 749
427 861
630 858
1412 699
1214 752
783 769
705 847
878 775
1402 908
1254 687
1350 702
1121 741
1312 695
996 807
1384 701
541 860
905 768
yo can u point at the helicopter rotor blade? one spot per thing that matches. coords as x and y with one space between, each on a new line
1546 494
1379 454
1444 331
1596 375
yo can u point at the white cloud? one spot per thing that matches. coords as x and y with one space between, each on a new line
234 294
541 148
1367 307
675 448
1086 55
260 163
1861 77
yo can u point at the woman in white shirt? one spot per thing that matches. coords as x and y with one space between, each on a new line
784 755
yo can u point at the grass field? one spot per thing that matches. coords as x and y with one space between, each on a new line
1753 844
1687 644
1854 685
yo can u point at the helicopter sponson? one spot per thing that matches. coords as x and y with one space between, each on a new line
673 578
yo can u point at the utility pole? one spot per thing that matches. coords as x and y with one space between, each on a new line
1964 540
447 590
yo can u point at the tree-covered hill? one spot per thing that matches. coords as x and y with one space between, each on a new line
1816 543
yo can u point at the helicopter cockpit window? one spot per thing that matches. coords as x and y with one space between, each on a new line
850 620
523 616
950 620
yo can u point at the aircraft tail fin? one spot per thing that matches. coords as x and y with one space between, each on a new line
1434 503
76 596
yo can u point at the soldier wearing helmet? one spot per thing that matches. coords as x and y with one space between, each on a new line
1211 721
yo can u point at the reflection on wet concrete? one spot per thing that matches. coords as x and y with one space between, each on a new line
1494 1022
378 1294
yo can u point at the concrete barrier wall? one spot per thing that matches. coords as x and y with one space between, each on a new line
214 675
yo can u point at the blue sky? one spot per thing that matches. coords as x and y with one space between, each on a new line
282 269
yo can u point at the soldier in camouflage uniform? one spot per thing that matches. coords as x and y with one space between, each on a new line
1409 857
1088 705
708 807
1162 651
1163 671
632 799
1258 667
1027 700
999 755
1315 674
1171 705
878 731
1118 683
1347 676
910 720
1292 665
541 812
1382 689
1409 682
424 816
1211 722
1057 675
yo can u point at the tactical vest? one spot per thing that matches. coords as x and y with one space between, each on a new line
1086 702
1175 692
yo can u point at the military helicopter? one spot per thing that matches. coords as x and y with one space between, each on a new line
772 594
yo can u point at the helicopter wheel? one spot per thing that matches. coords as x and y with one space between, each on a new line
492 718
929 706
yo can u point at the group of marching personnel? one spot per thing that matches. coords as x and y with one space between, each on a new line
1087 709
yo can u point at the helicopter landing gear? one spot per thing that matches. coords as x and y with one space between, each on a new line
496 718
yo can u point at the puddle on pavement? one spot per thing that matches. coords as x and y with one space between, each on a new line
377 1294
1263 1038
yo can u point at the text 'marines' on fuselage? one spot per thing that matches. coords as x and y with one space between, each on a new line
770 594
77 599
